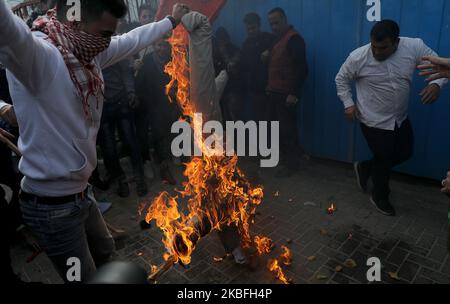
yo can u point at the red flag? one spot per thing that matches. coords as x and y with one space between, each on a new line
209 8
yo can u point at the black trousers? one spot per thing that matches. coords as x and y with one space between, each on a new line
390 149
289 138
117 115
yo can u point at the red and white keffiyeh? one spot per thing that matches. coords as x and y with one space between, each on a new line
78 49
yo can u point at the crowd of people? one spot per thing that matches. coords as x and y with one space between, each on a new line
69 87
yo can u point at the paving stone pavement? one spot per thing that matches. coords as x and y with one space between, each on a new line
412 246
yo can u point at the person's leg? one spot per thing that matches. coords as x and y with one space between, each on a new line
382 145
128 130
60 231
8 274
259 107
235 105
271 115
100 240
231 240
404 143
363 170
129 138
290 135
109 149
111 157
161 120
287 117
142 124
163 152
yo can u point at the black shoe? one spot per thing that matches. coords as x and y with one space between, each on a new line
362 178
123 190
141 187
383 206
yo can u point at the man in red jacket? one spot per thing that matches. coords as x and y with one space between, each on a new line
287 73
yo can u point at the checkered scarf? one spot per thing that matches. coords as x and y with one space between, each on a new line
78 49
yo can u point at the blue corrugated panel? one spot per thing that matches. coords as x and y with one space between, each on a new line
332 29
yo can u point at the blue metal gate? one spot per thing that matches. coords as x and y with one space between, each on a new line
332 29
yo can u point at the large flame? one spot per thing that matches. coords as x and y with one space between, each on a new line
217 192
274 265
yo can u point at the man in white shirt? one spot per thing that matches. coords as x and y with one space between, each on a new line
383 71
57 87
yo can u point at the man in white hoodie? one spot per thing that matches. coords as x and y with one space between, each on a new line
57 87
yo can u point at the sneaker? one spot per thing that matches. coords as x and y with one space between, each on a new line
362 178
123 190
141 187
239 256
383 206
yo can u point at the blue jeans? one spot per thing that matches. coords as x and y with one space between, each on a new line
75 229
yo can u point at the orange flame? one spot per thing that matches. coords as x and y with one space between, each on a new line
153 269
217 192
331 209
263 244
274 265
286 256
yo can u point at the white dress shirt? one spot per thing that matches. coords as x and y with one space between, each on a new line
382 87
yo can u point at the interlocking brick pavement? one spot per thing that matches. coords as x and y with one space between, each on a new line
412 245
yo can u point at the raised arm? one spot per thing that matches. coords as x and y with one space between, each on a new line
138 39
424 51
27 57
131 43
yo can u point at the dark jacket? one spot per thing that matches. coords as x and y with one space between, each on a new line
288 67
254 71
151 84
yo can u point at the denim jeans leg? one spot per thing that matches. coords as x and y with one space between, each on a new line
61 234
101 242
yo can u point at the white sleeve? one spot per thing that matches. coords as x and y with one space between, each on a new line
3 104
27 57
424 50
344 79
131 43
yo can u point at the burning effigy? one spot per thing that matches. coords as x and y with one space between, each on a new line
219 196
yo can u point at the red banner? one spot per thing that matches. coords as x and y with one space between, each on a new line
209 8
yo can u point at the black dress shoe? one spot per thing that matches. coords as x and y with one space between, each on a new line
383 206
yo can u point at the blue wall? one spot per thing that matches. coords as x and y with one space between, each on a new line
332 29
